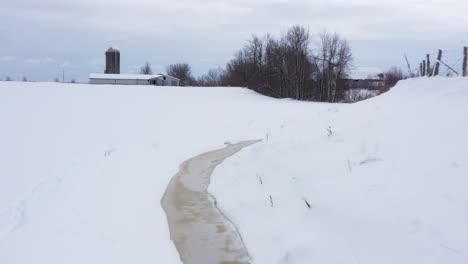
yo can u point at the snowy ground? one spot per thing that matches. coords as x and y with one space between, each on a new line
388 186
83 169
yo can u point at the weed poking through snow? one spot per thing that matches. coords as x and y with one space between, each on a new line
329 131
260 179
349 166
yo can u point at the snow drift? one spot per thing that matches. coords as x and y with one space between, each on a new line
386 180
83 169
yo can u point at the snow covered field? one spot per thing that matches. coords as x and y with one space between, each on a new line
83 169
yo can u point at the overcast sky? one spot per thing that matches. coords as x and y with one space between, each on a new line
40 38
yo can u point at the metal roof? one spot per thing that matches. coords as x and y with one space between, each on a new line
128 76
363 73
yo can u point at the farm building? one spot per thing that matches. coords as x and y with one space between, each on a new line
370 84
366 78
134 79
112 74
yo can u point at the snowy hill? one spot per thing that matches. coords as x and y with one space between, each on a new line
83 169
388 186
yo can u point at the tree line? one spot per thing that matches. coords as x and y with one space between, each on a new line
289 67
293 65
284 67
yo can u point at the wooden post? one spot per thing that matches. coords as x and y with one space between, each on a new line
465 61
439 58
428 70
424 68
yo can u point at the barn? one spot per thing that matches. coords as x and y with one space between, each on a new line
134 79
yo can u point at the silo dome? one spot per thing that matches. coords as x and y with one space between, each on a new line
113 49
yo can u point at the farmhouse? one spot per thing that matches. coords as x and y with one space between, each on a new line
134 79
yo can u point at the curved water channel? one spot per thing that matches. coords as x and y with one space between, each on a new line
200 231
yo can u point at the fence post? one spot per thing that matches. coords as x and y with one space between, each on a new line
465 58
429 72
424 68
439 58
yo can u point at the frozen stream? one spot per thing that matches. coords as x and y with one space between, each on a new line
200 231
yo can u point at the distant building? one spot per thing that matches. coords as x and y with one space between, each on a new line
369 84
134 79
366 78
112 74
112 61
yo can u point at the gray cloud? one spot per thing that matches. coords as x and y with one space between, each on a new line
43 61
7 59
206 33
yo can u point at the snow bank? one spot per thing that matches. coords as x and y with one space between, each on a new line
386 180
83 169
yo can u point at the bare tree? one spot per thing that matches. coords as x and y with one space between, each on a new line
393 76
238 73
254 53
146 69
333 62
286 67
275 67
183 72
298 64
214 78
8 79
